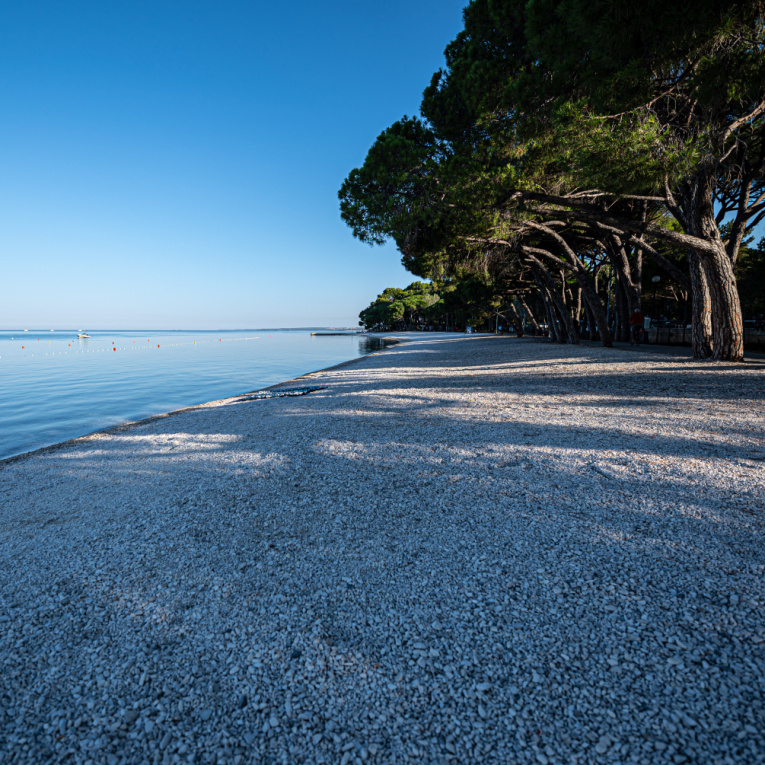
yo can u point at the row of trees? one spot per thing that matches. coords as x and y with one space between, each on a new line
567 139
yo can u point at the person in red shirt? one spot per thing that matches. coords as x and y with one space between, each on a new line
636 326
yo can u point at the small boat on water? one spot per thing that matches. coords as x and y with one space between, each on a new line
81 333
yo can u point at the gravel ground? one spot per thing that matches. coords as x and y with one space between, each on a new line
469 550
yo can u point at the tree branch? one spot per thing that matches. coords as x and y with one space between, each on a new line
623 225
736 124
666 264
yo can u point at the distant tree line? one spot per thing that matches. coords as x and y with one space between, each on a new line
449 306
570 151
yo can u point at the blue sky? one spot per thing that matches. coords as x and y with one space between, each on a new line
176 164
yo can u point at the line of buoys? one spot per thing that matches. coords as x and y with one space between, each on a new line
148 340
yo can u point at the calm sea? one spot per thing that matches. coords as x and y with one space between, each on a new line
54 386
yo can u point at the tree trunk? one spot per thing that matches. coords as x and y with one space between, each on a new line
623 312
515 318
617 255
568 331
552 328
637 275
587 283
701 305
530 316
557 329
552 324
592 332
727 320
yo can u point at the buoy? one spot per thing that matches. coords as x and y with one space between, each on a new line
157 345
22 347
114 349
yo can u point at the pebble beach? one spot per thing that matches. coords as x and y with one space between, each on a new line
469 550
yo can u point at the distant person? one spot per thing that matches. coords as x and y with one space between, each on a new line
637 320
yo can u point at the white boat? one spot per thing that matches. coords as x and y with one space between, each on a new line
82 334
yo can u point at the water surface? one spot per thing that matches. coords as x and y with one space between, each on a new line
57 387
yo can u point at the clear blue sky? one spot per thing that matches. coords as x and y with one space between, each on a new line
176 164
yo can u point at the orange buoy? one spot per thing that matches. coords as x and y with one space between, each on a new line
157 345
114 349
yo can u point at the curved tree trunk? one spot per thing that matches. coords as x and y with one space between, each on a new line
530 316
567 330
592 332
587 283
617 255
552 322
515 318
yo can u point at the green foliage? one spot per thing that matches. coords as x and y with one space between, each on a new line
396 191
548 100
467 299
750 274
632 156
399 308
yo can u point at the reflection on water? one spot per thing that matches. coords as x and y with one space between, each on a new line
371 344
54 386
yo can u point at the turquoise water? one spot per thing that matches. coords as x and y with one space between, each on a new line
58 387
